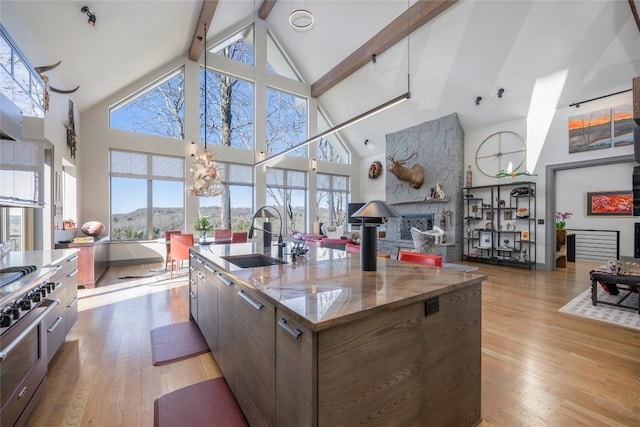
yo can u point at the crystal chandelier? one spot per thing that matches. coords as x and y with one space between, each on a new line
205 175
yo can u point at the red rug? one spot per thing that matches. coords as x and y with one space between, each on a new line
207 404
176 342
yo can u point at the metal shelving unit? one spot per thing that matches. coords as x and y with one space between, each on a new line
500 224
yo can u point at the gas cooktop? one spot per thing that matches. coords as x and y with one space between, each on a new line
11 274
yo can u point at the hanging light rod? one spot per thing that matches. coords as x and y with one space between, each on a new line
577 104
378 109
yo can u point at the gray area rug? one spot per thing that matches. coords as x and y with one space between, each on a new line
582 306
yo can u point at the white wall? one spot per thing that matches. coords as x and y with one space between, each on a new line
547 139
571 187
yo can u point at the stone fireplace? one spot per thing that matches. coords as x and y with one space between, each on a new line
439 147
420 221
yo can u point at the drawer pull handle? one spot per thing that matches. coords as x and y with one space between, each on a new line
72 302
251 302
225 280
193 296
192 268
209 269
199 261
55 325
22 393
295 333
72 273
73 258
201 276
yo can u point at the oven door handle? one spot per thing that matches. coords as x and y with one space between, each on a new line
23 334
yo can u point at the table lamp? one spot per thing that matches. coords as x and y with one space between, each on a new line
368 233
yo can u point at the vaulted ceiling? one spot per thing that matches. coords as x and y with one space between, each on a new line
472 49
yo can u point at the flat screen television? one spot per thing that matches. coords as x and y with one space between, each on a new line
352 208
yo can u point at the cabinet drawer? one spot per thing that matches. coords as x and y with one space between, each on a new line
254 350
296 379
255 313
55 328
66 268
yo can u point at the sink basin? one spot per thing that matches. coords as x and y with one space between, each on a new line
252 260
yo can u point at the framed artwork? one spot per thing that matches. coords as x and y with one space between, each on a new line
524 235
486 239
507 215
488 215
590 131
609 203
623 125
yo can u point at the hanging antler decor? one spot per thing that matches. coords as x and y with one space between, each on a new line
71 131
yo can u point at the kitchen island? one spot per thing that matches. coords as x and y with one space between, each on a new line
317 341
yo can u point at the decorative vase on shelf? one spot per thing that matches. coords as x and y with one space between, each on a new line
203 236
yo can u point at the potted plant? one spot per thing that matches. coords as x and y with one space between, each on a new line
203 224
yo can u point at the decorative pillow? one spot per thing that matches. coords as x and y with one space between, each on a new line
333 231
426 242
92 228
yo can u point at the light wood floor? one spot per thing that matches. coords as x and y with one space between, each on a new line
539 367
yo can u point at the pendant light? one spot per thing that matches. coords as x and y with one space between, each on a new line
205 175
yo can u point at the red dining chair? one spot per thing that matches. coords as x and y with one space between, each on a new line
222 236
180 244
239 237
352 248
167 241
420 258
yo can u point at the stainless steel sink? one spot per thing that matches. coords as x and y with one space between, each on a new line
252 260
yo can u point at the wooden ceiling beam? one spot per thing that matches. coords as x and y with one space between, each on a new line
634 5
207 10
419 14
265 8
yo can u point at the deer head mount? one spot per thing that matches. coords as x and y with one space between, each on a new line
414 176
44 69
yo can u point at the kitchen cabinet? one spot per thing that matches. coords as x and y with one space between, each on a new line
60 320
208 304
500 222
402 364
193 286
254 351
296 378
93 261
225 322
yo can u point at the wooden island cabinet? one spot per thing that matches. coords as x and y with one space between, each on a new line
93 261
318 342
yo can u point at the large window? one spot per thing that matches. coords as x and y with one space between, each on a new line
286 122
238 47
232 209
331 148
230 110
147 195
19 81
277 61
155 110
287 191
332 198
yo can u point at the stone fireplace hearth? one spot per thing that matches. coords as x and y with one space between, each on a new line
420 221
439 146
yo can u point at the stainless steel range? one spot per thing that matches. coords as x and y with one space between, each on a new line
24 304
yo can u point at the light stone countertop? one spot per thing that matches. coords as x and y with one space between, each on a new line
327 287
43 260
